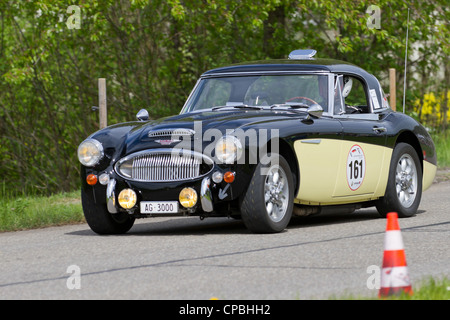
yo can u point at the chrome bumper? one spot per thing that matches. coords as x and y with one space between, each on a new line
205 196
111 196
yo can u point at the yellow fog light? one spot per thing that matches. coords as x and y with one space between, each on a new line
188 197
127 198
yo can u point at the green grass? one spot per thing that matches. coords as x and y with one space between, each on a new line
20 213
427 289
442 143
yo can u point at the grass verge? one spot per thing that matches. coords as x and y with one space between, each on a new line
430 288
20 213
442 144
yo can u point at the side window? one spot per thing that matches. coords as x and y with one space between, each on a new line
338 98
354 94
385 100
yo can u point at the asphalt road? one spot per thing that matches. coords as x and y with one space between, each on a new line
317 257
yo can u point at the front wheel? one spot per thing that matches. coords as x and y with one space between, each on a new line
267 204
404 188
100 220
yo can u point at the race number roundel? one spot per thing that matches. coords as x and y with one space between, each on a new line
356 167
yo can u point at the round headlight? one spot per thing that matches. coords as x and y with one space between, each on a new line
90 152
228 149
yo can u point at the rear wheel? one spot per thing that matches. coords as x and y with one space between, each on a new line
267 204
100 220
404 189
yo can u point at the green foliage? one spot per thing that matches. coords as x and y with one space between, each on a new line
442 141
152 52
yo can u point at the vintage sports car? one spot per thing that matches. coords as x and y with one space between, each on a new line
261 141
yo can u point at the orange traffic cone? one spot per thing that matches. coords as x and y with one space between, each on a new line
394 273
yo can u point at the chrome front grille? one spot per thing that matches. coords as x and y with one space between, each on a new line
163 166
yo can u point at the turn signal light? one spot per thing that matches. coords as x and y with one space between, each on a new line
228 177
91 179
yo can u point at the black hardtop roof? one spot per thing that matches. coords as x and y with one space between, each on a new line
289 65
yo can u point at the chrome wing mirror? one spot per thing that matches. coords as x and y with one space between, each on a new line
142 115
315 111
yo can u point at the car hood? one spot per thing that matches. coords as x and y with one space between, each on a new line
131 137
221 120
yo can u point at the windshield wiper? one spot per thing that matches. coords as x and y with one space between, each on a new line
292 105
238 106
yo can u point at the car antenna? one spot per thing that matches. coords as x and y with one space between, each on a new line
406 57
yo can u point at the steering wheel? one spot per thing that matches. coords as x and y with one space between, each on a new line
305 98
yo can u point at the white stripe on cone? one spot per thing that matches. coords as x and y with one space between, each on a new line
395 277
393 240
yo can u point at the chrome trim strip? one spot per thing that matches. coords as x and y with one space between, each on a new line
111 196
273 72
206 195
315 141
186 103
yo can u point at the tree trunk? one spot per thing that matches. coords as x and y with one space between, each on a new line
276 22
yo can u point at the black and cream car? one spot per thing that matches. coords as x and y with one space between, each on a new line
261 141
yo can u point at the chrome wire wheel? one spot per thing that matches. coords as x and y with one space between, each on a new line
276 193
404 186
406 180
267 204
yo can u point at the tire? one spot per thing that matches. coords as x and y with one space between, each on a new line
100 220
404 187
266 206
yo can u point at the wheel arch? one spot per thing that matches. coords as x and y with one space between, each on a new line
286 150
411 139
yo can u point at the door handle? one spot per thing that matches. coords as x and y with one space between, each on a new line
379 129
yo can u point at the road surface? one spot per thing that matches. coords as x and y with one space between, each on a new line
317 257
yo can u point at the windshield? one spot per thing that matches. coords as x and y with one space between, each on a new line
260 91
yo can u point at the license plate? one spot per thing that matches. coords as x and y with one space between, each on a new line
159 206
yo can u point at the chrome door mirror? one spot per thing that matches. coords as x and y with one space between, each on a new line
142 115
315 111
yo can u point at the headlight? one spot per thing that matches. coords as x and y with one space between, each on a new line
90 152
188 197
228 149
127 198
